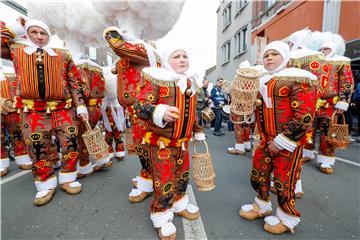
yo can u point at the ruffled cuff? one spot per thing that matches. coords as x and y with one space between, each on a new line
342 105
81 109
283 142
199 136
158 115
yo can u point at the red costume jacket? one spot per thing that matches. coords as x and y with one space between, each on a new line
292 94
42 78
159 91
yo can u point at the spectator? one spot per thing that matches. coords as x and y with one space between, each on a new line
218 98
202 101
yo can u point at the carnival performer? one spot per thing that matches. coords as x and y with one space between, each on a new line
335 99
113 117
11 123
283 114
313 61
135 55
242 127
94 91
167 102
47 87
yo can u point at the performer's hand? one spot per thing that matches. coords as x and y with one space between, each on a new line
84 116
6 105
171 114
273 148
339 111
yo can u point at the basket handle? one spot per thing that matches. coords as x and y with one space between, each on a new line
233 121
333 116
87 124
206 145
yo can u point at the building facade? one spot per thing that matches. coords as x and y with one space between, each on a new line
270 20
233 38
275 20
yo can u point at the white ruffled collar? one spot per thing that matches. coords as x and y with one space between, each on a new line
196 82
31 48
164 74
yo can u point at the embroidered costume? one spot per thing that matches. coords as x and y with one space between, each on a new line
48 85
286 111
11 123
94 92
336 94
135 55
313 61
168 141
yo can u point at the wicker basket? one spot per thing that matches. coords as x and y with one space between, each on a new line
129 141
338 134
207 114
244 90
95 143
203 171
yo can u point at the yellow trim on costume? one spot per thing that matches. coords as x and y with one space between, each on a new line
298 62
157 82
324 102
50 104
166 141
297 80
93 102
89 67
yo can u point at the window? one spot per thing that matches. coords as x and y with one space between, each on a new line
227 16
239 4
226 52
241 41
269 3
92 53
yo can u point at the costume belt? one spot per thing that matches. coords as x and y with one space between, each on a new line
154 139
326 102
94 102
41 105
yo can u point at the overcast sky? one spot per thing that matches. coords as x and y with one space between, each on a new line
196 30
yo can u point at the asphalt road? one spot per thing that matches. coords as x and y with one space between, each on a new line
329 208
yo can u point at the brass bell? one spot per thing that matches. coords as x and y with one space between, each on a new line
114 71
162 145
188 92
48 110
310 141
258 102
25 109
